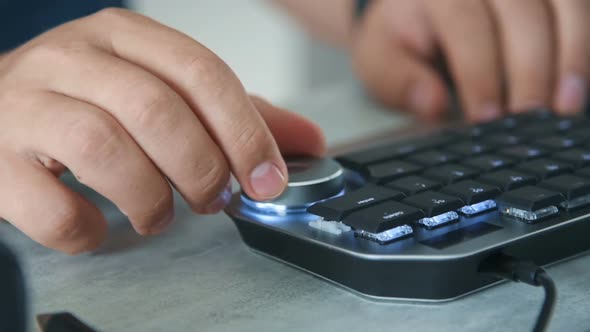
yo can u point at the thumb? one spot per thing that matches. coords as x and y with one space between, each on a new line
294 134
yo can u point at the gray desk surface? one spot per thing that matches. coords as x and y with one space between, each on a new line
199 276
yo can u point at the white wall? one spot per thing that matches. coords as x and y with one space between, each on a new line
261 43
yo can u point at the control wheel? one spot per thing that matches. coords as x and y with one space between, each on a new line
310 180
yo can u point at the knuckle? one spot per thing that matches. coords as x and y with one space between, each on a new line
54 52
112 13
150 108
120 18
208 70
250 139
160 202
95 138
66 222
211 178
464 9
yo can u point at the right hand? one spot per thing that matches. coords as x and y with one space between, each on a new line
503 56
129 106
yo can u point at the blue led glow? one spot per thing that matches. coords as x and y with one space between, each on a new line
280 209
440 220
471 210
262 207
387 236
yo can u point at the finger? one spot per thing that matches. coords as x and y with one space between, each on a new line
573 72
394 63
527 44
37 203
294 134
98 151
211 89
466 32
54 166
157 118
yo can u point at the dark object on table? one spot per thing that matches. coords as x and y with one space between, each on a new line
12 290
61 322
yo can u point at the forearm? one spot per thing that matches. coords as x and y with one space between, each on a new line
329 20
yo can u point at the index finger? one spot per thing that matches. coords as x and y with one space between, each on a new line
210 88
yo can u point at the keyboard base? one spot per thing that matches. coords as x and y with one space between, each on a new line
379 276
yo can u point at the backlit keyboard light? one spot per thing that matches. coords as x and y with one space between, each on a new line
440 220
576 202
266 208
332 227
388 236
471 210
530 216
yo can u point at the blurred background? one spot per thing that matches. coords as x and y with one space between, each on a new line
269 51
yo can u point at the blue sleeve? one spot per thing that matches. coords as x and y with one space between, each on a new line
21 20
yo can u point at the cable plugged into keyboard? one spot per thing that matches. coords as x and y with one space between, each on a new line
514 269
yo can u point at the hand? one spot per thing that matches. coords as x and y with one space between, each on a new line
502 55
129 106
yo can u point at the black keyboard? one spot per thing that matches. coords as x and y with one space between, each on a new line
413 219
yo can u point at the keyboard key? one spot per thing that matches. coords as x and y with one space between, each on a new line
584 172
381 217
468 149
433 158
508 179
523 152
472 192
391 170
578 157
508 122
552 126
474 131
574 188
571 123
537 115
450 173
489 163
537 129
582 134
557 143
413 184
504 139
336 208
359 160
434 203
530 198
545 168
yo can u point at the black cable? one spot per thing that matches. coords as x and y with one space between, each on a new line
514 269
547 283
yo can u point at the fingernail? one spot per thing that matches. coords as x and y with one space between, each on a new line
221 201
267 180
163 223
421 99
572 94
488 112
